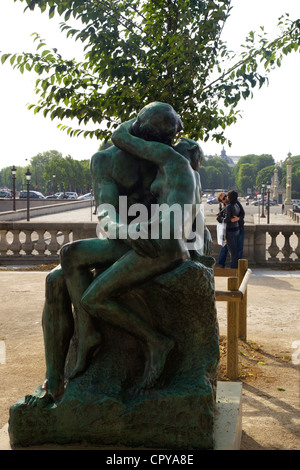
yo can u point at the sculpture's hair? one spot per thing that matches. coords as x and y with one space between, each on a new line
153 116
192 150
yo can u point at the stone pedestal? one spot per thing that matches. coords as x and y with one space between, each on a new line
227 425
102 407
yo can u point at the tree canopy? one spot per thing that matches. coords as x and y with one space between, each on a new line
216 173
138 51
248 170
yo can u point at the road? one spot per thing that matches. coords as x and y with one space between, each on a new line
253 215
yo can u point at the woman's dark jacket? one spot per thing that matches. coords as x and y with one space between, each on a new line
230 211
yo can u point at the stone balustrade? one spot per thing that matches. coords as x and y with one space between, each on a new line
40 243
34 243
294 215
268 245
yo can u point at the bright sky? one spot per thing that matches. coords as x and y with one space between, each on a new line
270 122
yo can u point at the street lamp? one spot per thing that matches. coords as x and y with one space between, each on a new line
263 201
13 172
54 183
28 178
268 212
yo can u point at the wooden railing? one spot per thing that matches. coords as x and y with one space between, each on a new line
236 298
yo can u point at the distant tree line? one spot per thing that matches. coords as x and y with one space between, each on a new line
51 172
251 171
216 173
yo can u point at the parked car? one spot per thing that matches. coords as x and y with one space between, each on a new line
259 202
70 195
4 193
213 200
32 195
85 196
51 196
296 207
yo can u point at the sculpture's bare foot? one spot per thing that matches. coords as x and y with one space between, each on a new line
158 353
41 397
87 347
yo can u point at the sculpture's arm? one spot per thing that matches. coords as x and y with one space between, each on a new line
112 224
104 187
207 248
207 241
155 152
106 193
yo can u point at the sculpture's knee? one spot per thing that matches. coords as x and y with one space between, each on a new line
69 258
55 284
93 300
57 316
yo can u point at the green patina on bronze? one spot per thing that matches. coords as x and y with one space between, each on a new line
130 326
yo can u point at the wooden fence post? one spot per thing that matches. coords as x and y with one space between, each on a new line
243 266
232 331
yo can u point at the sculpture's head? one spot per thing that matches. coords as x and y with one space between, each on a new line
157 122
192 151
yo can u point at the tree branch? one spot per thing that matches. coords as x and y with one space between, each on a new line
245 61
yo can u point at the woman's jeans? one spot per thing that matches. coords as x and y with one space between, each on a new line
224 249
223 256
232 239
240 243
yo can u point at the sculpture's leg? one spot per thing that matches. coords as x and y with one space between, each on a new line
58 328
132 270
77 259
99 299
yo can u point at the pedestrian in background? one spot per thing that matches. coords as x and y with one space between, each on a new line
232 217
222 198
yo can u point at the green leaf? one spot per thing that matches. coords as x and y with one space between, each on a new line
52 11
136 52
4 57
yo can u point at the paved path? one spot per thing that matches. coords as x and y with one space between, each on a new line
78 215
86 215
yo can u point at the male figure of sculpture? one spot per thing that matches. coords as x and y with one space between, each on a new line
114 173
177 186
